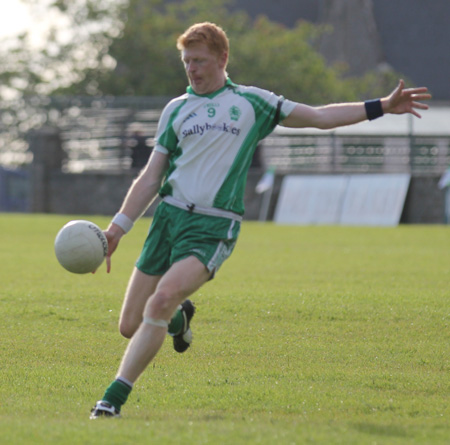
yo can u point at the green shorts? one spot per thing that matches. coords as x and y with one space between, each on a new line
176 234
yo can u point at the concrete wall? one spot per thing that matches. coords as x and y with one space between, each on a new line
102 194
425 202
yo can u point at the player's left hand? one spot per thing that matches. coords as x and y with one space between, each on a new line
406 100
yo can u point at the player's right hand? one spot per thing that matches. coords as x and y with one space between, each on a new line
113 234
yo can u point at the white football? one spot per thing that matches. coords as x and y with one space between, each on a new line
81 246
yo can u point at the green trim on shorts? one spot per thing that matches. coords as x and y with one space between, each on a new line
176 234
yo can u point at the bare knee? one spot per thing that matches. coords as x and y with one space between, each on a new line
162 304
129 322
140 287
127 329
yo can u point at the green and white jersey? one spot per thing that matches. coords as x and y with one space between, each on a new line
210 140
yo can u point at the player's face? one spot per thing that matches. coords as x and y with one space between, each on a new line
205 69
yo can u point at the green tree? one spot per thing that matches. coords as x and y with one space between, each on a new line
262 53
127 47
74 47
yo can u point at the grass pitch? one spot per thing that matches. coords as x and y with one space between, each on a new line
324 335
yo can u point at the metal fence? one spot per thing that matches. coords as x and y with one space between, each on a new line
95 135
342 153
14 188
93 131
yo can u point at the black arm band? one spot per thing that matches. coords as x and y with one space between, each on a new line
278 112
373 109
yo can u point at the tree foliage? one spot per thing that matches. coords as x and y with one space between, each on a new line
75 44
127 47
262 53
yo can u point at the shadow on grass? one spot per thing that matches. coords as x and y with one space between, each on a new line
381 430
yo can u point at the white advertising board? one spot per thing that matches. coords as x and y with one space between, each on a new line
310 199
375 200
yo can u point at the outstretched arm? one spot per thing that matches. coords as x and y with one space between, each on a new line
400 101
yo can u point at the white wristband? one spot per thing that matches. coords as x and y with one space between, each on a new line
122 220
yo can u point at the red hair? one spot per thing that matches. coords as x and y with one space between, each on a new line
213 36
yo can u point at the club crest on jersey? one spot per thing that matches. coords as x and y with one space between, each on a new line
235 113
